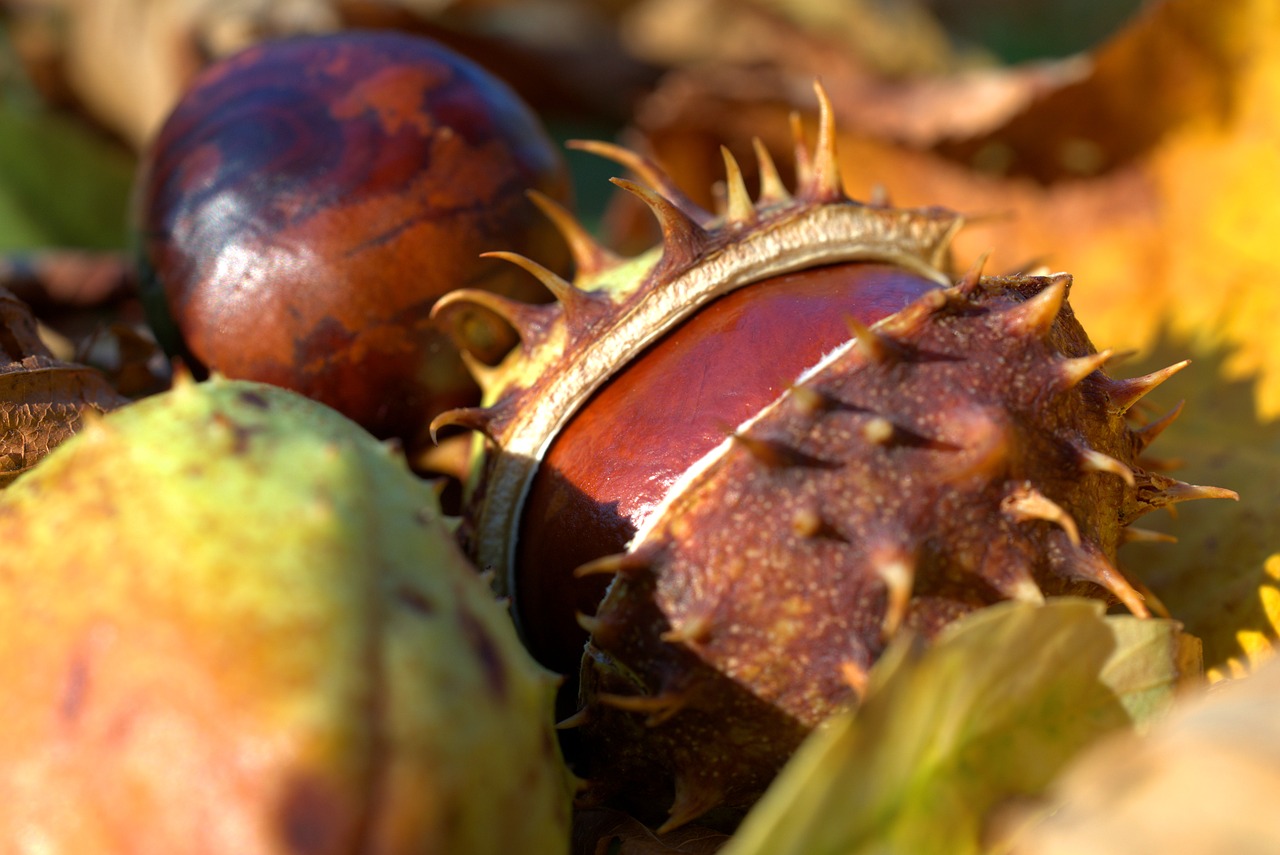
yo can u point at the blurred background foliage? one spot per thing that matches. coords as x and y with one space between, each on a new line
83 83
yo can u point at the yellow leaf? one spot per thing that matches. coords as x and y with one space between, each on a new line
990 712
1206 779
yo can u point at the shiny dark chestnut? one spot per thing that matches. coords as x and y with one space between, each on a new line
309 200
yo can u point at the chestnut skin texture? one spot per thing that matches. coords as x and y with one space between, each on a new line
615 461
308 201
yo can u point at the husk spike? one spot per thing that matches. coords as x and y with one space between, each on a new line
649 172
1125 393
589 256
738 207
772 190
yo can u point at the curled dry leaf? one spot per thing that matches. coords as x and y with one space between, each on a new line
1205 780
42 399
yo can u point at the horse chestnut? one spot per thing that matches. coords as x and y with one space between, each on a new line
798 432
308 201
659 415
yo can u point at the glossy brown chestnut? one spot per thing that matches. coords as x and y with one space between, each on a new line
309 200
617 458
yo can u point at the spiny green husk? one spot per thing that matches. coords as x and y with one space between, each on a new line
234 622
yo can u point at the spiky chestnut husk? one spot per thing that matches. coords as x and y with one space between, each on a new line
959 445
234 622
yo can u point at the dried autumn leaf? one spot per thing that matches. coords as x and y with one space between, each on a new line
128 61
992 711
1122 167
1206 779
42 399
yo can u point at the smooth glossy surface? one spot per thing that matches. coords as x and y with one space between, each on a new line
309 200
613 463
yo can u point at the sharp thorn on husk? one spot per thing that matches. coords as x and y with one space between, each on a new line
473 418
772 190
1035 316
589 256
571 298
878 347
682 237
825 185
1153 603
589 623
971 282
896 569
912 317
1149 432
807 522
649 172
855 677
1085 562
659 708
1161 464
1125 393
619 563
808 401
878 430
738 207
1026 503
1092 460
1025 590
1180 491
1074 370
576 720
773 454
486 376
1132 534
695 629
524 318
693 799
804 162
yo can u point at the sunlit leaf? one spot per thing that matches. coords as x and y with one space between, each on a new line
1206 779
1221 577
989 713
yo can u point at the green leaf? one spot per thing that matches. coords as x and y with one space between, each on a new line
60 186
991 711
